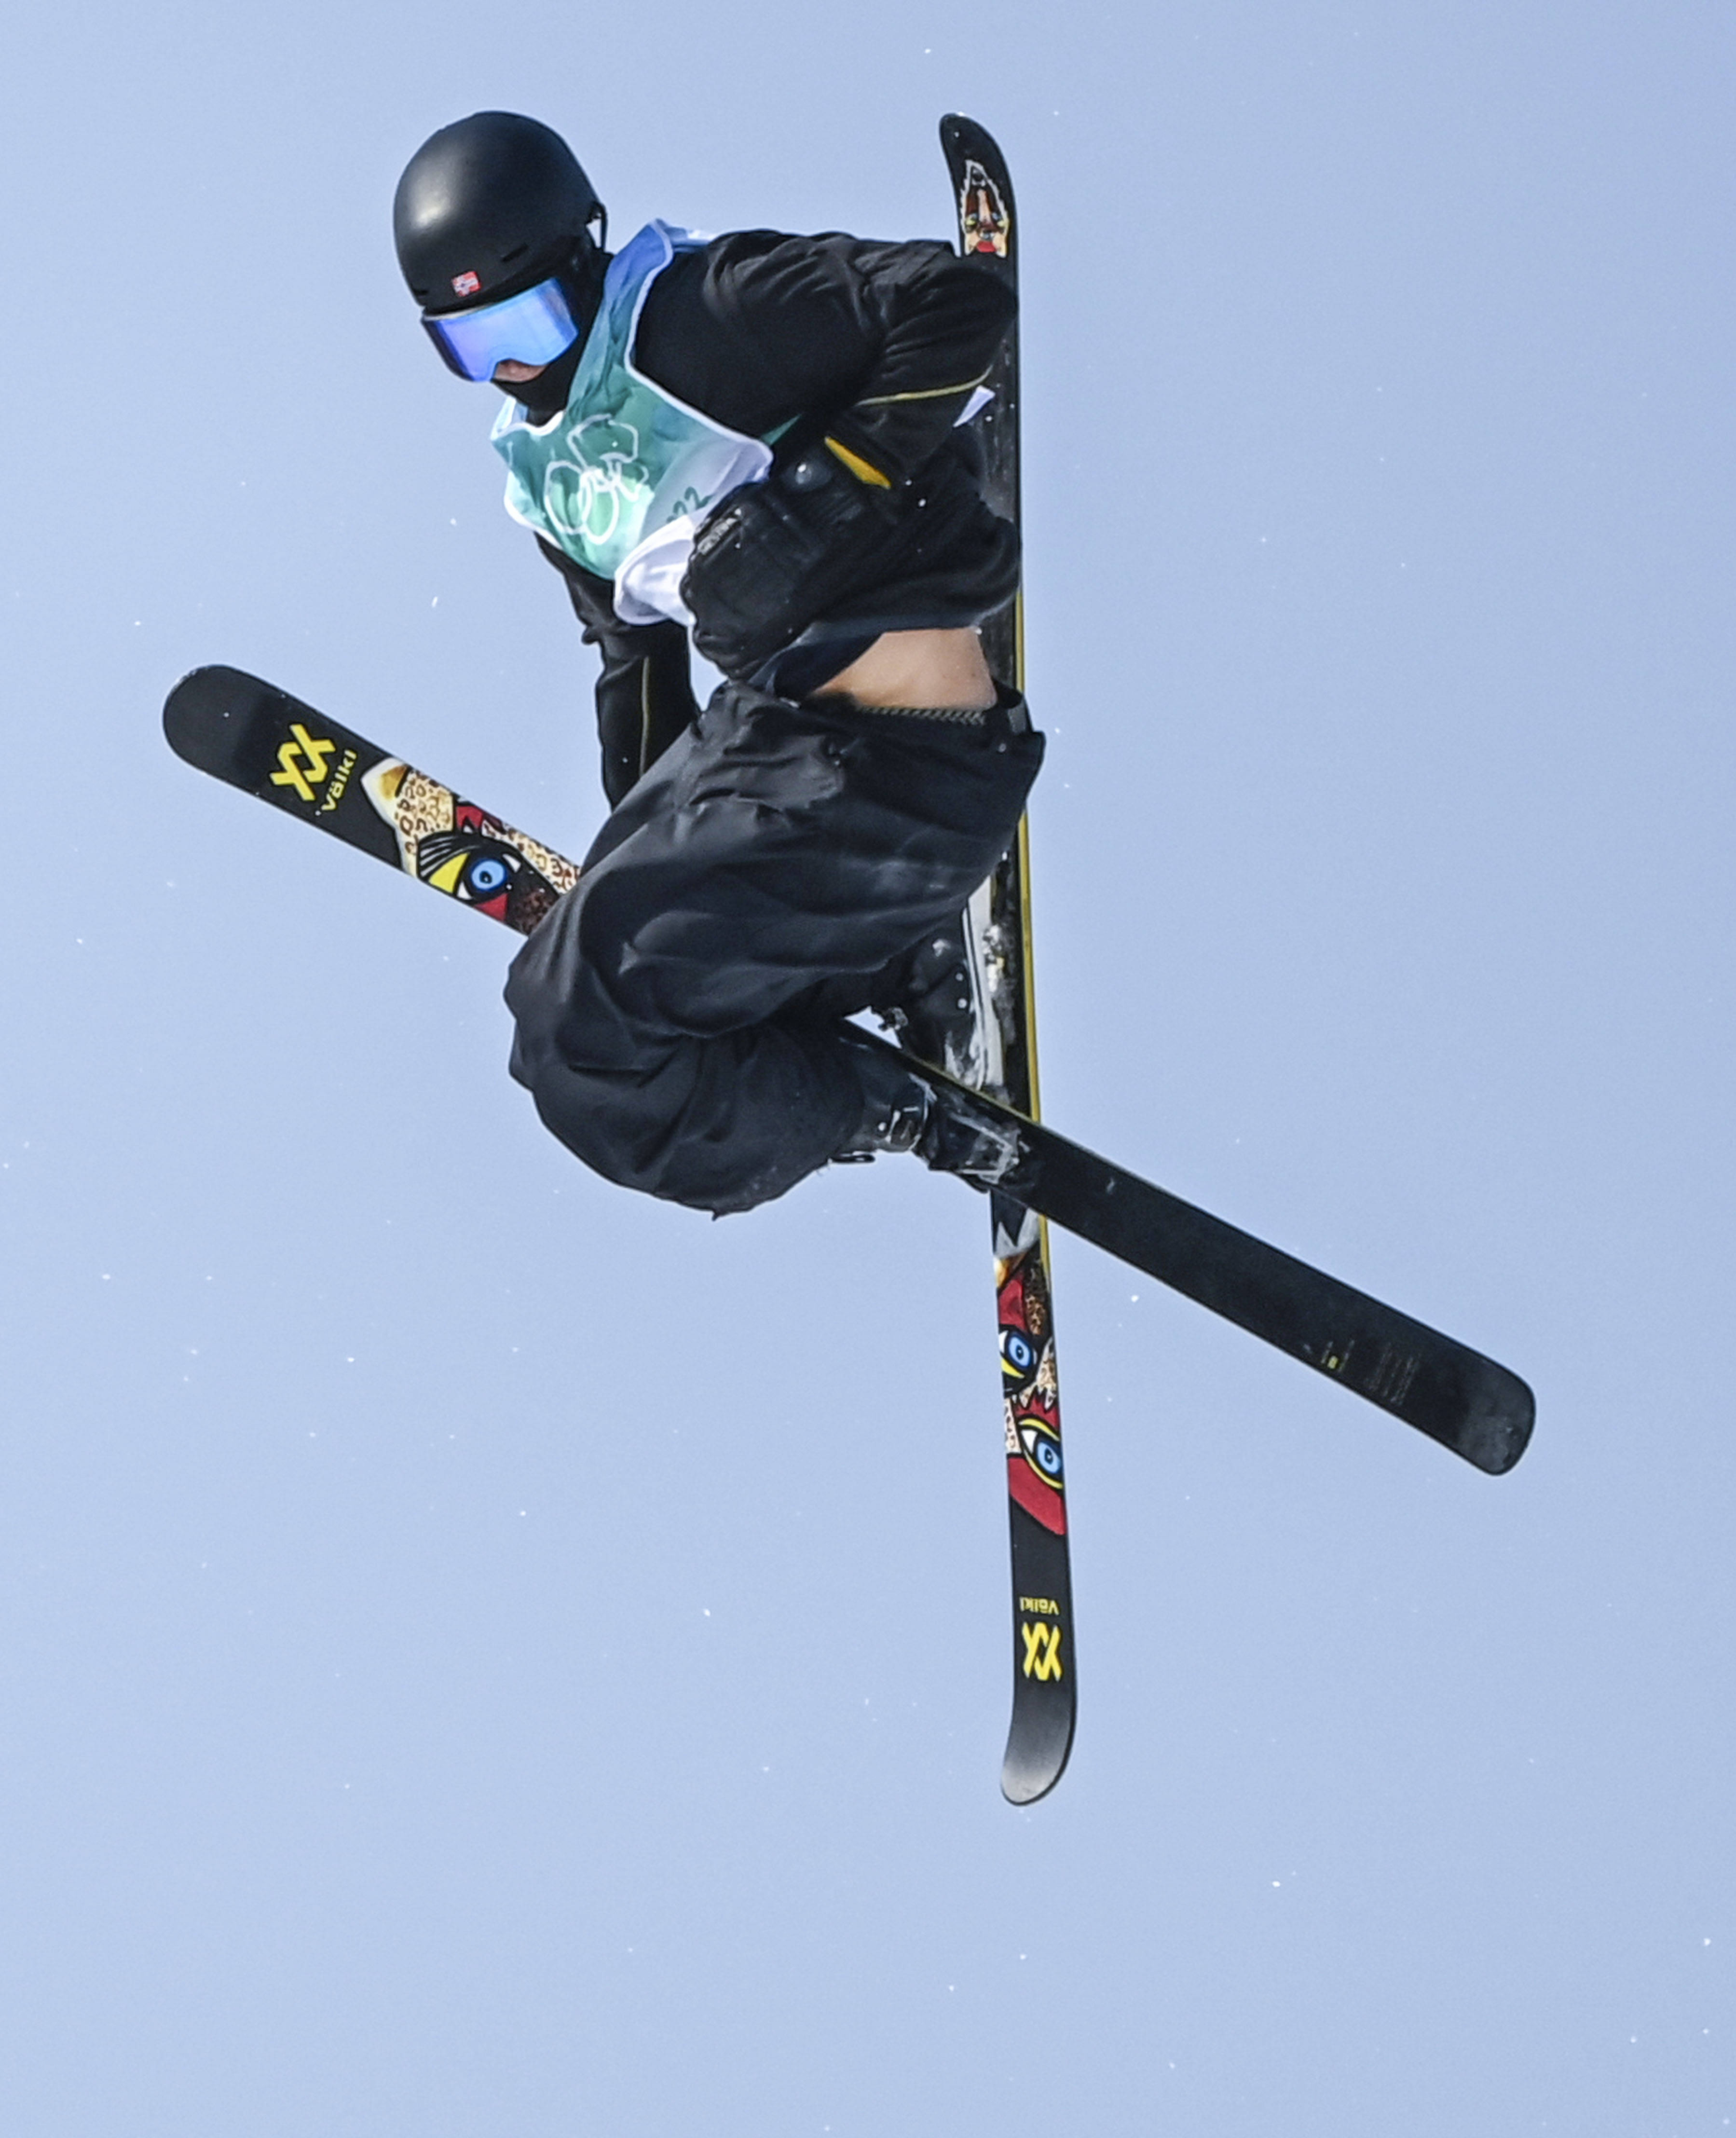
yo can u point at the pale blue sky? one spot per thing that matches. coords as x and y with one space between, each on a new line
483 1655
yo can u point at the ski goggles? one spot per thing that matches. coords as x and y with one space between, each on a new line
531 328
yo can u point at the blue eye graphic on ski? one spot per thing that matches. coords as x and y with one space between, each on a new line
1042 1450
461 849
1019 1355
478 870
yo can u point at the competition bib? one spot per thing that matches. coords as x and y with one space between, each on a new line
622 478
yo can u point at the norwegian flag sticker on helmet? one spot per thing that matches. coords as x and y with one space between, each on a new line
466 285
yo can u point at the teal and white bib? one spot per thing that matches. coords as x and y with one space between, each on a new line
622 478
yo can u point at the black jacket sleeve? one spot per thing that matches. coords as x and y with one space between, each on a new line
886 342
645 694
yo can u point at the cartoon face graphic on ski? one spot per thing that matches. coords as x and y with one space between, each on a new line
1035 1469
984 225
456 847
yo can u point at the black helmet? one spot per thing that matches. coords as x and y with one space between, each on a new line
489 206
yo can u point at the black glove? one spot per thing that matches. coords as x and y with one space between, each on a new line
776 554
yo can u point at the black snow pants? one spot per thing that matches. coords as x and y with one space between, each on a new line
676 1012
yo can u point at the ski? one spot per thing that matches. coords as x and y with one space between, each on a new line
998 935
260 740
1478 1409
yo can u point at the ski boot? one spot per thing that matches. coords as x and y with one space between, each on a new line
934 1121
926 999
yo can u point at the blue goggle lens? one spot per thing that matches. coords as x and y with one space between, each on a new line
531 328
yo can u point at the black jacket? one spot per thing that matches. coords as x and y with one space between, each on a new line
757 329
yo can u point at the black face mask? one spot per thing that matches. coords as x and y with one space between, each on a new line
545 395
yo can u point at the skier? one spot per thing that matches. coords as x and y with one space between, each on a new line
757 437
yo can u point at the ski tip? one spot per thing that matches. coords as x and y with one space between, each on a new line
1498 1418
205 714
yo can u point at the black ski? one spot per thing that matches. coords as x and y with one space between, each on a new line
1469 1403
1045 1668
260 739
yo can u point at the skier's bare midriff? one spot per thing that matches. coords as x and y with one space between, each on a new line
917 668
